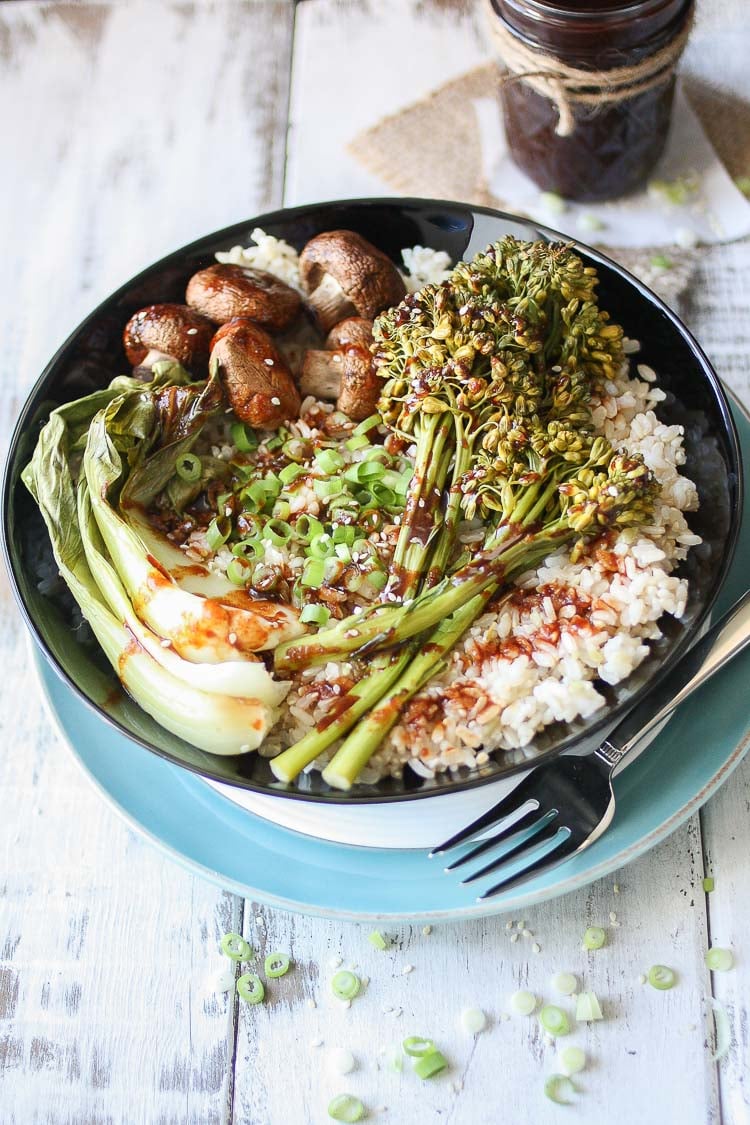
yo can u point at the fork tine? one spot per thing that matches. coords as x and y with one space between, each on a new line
522 822
546 862
509 804
527 844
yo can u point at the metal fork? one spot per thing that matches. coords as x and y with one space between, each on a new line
572 800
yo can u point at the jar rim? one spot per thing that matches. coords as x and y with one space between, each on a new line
603 10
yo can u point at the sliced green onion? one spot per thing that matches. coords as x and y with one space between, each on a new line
245 439
272 484
377 939
282 509
365 471
329 461
343 503
315 615
290 473
235 947
723 1031
252 549
345 984
275 965
357 441
661 977
278 531
188 467
383 495
274 443
307 527
523 1003
556 1086
218 531
239 572
321 547
662 262
429 1065
255 496
326 489
553 1020
296 449
719 960
564 983
377 453
334 568
377 579
588 1007
344 533
368 424
473 1020
371 520
572 1060
250 987
264 577
345 1107
708 884
343 552
416 1046
594 938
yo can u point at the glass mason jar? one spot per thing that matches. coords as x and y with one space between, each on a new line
614 146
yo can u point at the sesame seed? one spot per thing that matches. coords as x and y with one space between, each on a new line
527 933
509 925
514 937
166 643
276 401
336 358
612 916
311 1003
268 362
387 1009
407 969
232 638
427 930
536 947
616 888
642 978
192 331
316 1042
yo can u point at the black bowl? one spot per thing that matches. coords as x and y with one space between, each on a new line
92 356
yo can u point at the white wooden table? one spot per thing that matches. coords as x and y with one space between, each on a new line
127 129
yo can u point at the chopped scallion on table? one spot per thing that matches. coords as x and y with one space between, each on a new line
556 1086
235 947
416 1046
588 1007
345 1107
594 938
719 960
661 977
554 1020
250 988
427 1066
377 940
523 1003
572 1060
345 985
276 965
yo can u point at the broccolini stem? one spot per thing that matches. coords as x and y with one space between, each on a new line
382 674
351 758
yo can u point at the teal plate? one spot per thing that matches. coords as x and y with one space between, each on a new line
245 854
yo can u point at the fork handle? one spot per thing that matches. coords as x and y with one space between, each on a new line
717 647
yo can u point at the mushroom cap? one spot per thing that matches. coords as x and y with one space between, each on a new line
175 330
256 379
367 276
352 330
225 292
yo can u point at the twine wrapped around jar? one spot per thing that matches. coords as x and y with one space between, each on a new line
569 86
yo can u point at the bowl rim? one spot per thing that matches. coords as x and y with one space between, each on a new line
279 215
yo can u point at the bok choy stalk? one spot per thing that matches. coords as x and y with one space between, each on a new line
231 718
203 630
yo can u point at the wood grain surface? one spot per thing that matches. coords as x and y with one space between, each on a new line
126 129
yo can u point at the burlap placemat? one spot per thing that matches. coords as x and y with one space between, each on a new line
400 150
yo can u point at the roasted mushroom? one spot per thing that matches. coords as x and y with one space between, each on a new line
225 292
345 372
256 380
168 332
344 275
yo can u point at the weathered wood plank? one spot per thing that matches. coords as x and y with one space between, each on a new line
129 129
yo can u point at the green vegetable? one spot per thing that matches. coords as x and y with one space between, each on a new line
221 704
556 1086
369 424
376 938
290 472
572 1059
661 977
417 1047
345 985
554 1020
218 531
188 467
235 947
662 262
276 965
244 438
315 615
588 1007
427 1066
329 461
313 574
250 988
345 1107
708 884
523 1003
564 983
594 938
719 960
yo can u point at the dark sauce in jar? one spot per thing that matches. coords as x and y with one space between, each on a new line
613 147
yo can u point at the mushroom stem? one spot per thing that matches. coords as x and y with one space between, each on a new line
321 374
330 302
